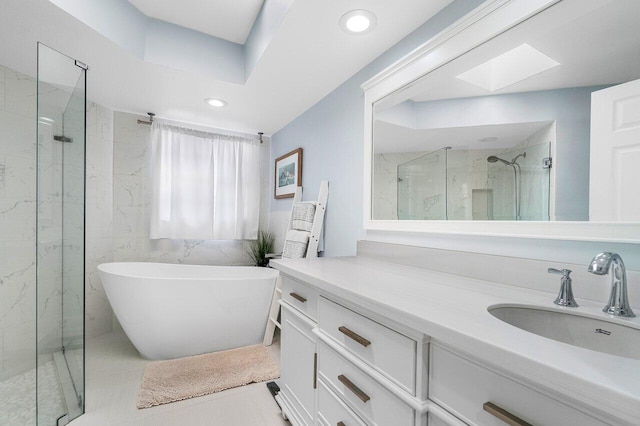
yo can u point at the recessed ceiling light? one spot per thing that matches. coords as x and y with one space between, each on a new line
218 103
358 21
509 68
489 139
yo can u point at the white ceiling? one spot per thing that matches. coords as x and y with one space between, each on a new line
597 47
306 59
227 19
392 138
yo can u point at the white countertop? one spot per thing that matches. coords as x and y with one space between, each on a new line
453 310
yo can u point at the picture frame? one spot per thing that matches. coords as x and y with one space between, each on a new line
287 174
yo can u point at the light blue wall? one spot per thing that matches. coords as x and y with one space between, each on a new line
192 51
331 134
118 20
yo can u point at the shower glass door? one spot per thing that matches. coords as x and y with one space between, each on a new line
60 237
422 187
522 192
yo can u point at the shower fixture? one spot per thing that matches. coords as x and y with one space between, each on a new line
517 177
493 159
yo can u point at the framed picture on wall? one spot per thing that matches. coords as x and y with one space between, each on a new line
288 174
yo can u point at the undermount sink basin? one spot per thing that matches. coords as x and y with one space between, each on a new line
577 330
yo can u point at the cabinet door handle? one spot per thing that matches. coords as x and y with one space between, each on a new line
298 297
504 415
355 336
315 370
353 388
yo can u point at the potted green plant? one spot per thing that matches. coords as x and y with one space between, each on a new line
261 247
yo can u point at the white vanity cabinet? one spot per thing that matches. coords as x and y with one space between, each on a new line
463 387
298 379
344 365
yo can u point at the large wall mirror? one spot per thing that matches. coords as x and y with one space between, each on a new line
537 123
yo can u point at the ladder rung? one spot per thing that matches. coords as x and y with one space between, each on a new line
275 322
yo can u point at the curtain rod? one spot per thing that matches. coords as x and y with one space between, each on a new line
150 122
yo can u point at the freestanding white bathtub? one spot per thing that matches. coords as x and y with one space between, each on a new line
171 311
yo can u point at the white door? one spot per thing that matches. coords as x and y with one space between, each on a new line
614 184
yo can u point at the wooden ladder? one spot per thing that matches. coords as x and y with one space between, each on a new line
273 322
312 251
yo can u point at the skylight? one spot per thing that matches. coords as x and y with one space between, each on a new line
511 67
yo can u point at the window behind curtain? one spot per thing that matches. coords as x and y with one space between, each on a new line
206 186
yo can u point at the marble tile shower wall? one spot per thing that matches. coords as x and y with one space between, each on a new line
422 188
99 216
17 223
131 206
117 208
49 238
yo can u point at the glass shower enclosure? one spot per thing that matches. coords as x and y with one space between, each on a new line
476 184
60 224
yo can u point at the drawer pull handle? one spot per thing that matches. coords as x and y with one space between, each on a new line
504 415
298 297
341 424
355 336
353 388
315 370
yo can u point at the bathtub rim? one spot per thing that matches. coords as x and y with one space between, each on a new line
264 272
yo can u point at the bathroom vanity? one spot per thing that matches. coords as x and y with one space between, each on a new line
370 342
400 336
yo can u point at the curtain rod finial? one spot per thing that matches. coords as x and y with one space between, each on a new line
151 115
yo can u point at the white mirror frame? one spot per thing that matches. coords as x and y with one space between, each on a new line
485 22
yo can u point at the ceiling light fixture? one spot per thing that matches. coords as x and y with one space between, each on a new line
511 67
217 103
358 21
488 139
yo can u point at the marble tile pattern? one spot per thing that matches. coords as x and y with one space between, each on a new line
99 216
132 199
17 223
18 219
412 185
385 182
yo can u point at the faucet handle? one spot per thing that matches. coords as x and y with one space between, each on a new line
565 296
564 272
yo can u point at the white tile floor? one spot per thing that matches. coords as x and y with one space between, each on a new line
113 375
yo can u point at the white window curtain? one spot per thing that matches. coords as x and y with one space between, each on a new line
206 186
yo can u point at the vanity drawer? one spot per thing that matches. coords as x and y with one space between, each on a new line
332 411
375 404
463 387
300 296
391 353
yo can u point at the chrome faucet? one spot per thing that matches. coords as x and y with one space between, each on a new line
565 297
618 300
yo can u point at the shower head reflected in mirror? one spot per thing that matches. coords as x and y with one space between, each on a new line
516 178
494 159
